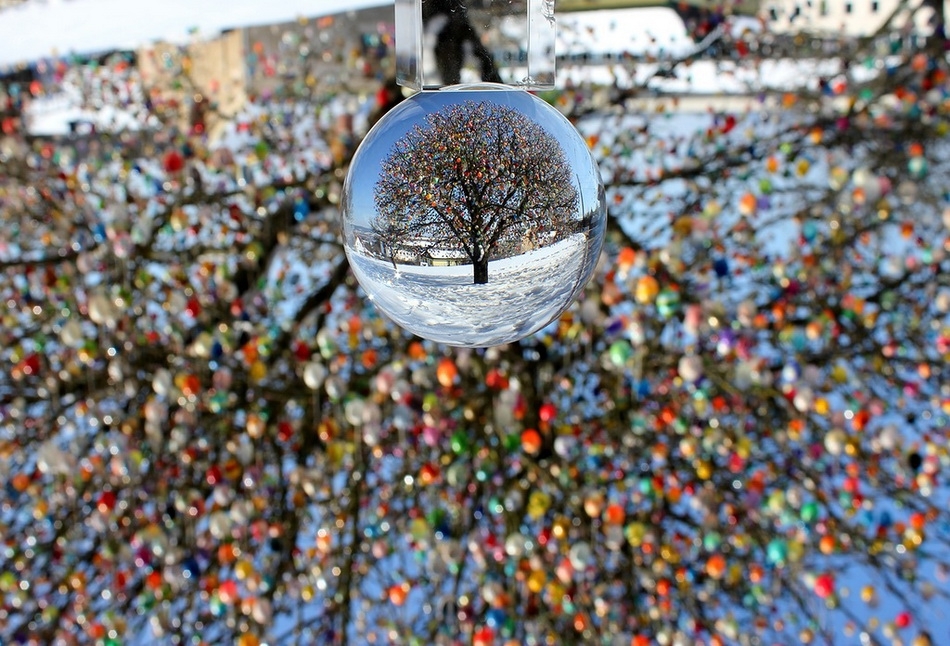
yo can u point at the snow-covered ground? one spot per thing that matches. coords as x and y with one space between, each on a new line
523 294
114 106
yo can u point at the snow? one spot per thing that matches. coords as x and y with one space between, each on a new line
38 29
52 115
523 294
44 28
655 30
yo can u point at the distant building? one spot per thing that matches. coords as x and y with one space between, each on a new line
853 18
446 257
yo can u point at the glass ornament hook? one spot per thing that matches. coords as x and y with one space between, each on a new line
447 42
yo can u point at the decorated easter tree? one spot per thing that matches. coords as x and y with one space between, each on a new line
739 433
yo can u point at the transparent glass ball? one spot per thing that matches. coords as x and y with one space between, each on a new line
473 215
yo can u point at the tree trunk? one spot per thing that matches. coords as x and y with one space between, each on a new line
481 271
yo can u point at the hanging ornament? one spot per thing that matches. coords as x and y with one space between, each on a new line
473 214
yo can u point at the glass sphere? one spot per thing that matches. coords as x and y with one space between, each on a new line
473 215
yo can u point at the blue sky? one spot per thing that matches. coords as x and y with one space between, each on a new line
381 142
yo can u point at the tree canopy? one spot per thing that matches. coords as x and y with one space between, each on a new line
476 175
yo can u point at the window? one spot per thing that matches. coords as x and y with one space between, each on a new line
875 5
847 7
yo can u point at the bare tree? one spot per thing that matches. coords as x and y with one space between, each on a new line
475 175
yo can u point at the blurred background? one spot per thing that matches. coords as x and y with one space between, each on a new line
736 435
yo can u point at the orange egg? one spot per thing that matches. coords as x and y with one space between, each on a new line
154 580
615 514
226 553
747 204
446 372
250 352
580 623
369 358
646 290
398 594
20 482
531 441
626 258
716 566
756 572
417 351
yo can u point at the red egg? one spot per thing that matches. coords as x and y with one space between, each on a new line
173 162
825 585
483 637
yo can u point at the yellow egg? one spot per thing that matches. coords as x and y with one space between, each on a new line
646 290
560 528
704 470
536 581
243 569
258 371
538 503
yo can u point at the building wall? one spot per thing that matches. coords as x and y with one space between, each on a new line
229 68
213 75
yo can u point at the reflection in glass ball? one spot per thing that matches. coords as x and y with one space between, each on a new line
473 215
